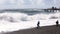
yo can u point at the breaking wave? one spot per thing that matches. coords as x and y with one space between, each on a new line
15 21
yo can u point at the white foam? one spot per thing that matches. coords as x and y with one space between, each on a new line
28 21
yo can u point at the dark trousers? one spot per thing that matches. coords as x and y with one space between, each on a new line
37 26
57 24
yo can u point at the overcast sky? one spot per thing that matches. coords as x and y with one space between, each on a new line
28 3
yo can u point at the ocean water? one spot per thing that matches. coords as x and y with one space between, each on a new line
13 21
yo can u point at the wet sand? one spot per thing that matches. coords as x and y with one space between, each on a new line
41 30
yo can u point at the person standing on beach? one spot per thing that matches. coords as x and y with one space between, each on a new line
57 23
38 24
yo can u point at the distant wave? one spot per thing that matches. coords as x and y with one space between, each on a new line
15 17
27 12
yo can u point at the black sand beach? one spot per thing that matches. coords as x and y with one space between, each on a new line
41 30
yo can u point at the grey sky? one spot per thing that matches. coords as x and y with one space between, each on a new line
7 4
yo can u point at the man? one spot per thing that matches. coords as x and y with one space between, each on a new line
38 24
57 23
